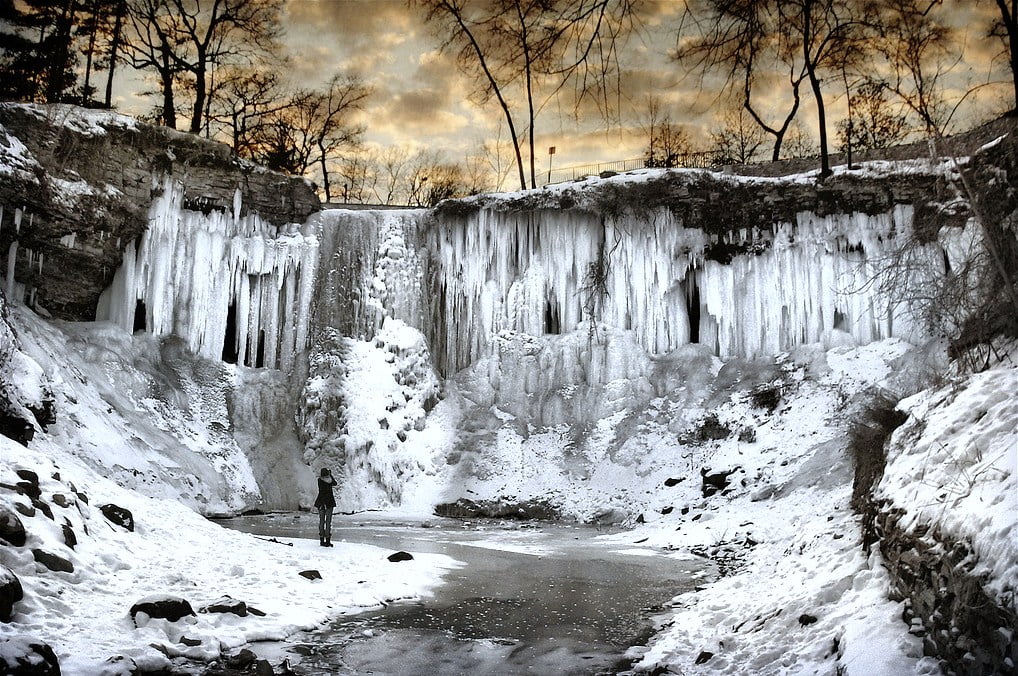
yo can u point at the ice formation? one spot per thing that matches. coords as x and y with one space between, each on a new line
546 272
225 284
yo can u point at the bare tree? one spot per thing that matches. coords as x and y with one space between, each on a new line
736 137
1006 30
742 40
873 121
524 45
359 174
151 45
313 127
666 141
243 103
392 163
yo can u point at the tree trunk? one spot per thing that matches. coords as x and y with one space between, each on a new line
114 48
86 84
495 88
825 160
199 95
528 71
166 80
814 83
325 173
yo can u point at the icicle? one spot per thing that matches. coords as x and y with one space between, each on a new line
41 254
12 258
18 213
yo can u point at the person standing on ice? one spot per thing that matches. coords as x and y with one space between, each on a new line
325 502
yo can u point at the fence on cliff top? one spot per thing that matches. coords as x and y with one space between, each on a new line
698 160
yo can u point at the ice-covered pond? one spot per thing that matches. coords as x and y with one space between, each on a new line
548 599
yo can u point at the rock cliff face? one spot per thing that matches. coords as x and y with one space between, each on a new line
82 182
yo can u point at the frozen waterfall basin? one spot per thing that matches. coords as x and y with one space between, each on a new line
527 599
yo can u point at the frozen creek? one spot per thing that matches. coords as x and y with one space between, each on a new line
526 600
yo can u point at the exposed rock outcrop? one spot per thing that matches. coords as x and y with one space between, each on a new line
83 183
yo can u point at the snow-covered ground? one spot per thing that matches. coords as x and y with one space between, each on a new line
156 456
797 594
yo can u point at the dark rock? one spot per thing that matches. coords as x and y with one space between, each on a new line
43 507
28 475
712 482
14 423
10 593
806 620
241 660
24 510
703 657
170 608
12 530
640 519
52 561
121 664
226 604
118 515
667 510
60 500
685 510
310 574
29 489
22 656
190 642
264 668
81 496
400 556
69 537
671 481
527 510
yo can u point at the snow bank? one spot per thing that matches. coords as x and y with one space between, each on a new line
953 468
83 614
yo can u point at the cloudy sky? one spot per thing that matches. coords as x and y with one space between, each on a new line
422 100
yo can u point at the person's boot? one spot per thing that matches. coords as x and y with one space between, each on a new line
328 541
321 542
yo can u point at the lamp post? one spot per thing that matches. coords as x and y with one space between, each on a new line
551 152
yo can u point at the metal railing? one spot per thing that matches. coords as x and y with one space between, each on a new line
698 160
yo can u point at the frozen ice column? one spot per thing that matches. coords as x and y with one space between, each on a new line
228 285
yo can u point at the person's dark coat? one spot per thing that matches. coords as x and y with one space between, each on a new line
325 497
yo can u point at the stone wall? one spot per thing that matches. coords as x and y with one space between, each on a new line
946 604
93 179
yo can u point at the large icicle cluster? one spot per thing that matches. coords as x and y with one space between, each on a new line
193 271
546 272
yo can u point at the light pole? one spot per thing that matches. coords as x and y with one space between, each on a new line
551 153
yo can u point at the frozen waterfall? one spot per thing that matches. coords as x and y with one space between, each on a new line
546 272
233 287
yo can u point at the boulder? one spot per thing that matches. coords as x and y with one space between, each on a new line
241 660
52 561
310 574
712 482
43 507
118 515
400 556
23 656
672 481
164 607
10 593
226 604
70 539
806 619
12 531
24 510
60 500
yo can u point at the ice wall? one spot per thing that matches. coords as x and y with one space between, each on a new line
546 272
217 280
